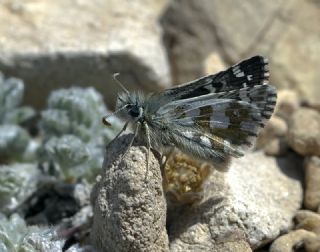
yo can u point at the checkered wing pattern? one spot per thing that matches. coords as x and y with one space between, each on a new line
219 115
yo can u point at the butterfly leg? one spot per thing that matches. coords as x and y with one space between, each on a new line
121 131
148 146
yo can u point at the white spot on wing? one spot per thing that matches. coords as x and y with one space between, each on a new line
206 141
226 146
188 134
236 69
240 74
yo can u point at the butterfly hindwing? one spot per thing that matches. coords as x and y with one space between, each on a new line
262 96
225 123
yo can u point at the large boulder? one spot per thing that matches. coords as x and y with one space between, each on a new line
239 29
50 44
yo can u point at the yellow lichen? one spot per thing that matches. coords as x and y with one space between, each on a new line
184 177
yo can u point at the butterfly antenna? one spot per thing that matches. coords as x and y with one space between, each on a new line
104 119
115 75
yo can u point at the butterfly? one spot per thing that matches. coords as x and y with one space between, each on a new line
212 118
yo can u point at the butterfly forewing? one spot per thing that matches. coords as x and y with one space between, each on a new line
248 73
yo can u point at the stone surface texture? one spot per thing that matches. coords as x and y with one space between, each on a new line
288 101
129 204
304 132
312 183
288 242
194 29
275 128
84 46
255 199
277 147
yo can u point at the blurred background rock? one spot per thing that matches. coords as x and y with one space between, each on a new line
51 44
57 60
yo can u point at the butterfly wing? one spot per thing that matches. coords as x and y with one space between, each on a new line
215 126
247 73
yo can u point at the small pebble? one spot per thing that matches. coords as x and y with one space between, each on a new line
312 181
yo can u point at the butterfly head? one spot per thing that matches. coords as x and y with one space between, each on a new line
132 103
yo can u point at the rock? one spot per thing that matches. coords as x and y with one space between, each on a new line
258 196
199 28
129 208
308 220
312 104
213 64
288 242
288 102
239 246
304 132
275 128
313 244
312 181
193 29
276 147
49 50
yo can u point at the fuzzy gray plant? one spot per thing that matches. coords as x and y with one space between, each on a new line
14 140
70 154
11 94
16 236
17 183
74 134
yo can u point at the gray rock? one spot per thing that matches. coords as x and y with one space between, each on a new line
274 129
202 27
193 29
304 132
93 40
129 208
288 101
258 197
214 63
277 147
308 220
288 242
312 182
